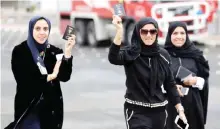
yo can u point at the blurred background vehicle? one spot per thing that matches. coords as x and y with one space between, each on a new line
92 18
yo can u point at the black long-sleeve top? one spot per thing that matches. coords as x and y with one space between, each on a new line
137 93
31 84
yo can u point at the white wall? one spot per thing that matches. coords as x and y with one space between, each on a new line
49 5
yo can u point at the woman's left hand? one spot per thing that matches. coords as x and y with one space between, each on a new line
56 68
53 75
69 46
190 81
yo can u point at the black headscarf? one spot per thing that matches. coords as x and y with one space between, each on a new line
139 48
188 50
33 45
137 45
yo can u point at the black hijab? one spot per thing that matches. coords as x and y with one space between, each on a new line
138 48
137 45
188 50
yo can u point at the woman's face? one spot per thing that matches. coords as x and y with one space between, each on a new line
148 34
41 31
178 37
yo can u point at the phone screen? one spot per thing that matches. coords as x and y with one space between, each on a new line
184 90
181 124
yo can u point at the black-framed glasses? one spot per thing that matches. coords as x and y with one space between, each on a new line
151 31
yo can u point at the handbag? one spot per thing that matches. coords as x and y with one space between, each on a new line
183 73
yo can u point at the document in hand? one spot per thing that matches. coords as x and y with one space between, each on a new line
119 10
183 73
68 32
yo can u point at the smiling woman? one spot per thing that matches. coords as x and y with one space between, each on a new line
178 37
147 69
41 31
148 34
184 54
38 68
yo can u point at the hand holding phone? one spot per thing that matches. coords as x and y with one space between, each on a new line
180 123
184 90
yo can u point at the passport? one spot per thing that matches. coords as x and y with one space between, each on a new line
68 32
119 10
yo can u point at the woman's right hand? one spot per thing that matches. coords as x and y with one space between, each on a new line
69 46
117 22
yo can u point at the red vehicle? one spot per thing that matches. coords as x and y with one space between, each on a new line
92 18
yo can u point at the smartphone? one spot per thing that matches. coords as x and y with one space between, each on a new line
184 90
180 123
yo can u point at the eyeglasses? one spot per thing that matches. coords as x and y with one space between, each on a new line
152 31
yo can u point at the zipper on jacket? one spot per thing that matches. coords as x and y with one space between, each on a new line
51 82
180 61
149 62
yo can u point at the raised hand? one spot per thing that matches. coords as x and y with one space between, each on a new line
69 46
117 21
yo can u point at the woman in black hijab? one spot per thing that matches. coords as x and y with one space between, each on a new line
147 72
185 55
38 68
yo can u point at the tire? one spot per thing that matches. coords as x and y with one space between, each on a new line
80 32
91 34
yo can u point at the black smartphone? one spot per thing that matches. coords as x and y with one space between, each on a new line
180 123
68 32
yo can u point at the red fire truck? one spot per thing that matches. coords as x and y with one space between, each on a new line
92 18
